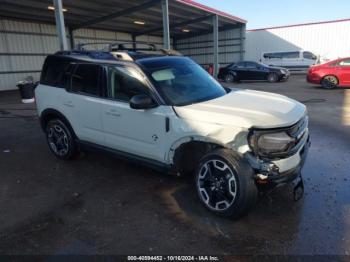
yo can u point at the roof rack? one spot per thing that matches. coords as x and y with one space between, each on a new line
121 50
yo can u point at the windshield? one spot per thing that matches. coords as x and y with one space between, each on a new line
180 81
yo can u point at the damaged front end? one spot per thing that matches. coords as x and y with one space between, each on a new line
278 155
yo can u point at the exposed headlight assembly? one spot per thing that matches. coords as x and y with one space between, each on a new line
275 142
269 143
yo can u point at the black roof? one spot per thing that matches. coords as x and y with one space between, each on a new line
105 57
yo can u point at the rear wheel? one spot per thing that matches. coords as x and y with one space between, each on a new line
229 78
272 78
329 82
60 139
225 184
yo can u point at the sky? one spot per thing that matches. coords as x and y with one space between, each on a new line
269 13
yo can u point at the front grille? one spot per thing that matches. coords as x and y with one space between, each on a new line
296 131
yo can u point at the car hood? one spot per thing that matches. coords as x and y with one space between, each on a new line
246 109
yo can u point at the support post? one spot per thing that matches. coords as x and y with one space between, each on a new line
61 30
71 38
242 41
216 45
134 42
166 30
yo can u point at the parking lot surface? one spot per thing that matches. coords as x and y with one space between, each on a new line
101 205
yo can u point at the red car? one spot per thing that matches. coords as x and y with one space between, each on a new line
331 74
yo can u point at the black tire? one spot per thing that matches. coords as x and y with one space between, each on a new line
329 82
235 187
272 78
61 139
229 78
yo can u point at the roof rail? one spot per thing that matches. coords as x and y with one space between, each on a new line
120 50
121 46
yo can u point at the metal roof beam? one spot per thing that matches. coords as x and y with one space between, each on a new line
173 26
124 12
206 32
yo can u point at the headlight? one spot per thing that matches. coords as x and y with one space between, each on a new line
283 71
275 142
270 142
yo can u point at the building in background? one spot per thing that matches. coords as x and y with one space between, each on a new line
329 40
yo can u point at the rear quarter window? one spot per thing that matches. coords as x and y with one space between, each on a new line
53 70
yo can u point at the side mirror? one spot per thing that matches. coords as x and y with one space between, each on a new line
142 102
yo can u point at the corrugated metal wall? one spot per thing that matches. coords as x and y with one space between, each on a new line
200 48
329 40
24 46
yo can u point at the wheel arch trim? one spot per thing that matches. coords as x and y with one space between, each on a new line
188 139
325 75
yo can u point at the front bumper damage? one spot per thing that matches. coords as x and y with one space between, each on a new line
281 171
284 76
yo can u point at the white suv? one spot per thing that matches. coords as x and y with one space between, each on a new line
165 111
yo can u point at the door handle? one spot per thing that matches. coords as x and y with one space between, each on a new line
68 103
113 112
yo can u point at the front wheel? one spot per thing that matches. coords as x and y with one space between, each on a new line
329 82
229 78
60 139
225 184
272 78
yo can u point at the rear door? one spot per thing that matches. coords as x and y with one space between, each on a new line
241 70
343 72
272 59
255 71
82 103
291 60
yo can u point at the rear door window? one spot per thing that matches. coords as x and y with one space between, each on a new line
345 62
241 65
273 55
290 55
251 65
85 79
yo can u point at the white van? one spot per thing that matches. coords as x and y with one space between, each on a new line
297 60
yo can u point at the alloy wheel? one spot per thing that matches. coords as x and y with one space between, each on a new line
58 140
272 78
229 78
329 82
217 185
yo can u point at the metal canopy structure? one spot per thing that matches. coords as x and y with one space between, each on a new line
170 19
120 15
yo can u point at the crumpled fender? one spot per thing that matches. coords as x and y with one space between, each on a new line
225 136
